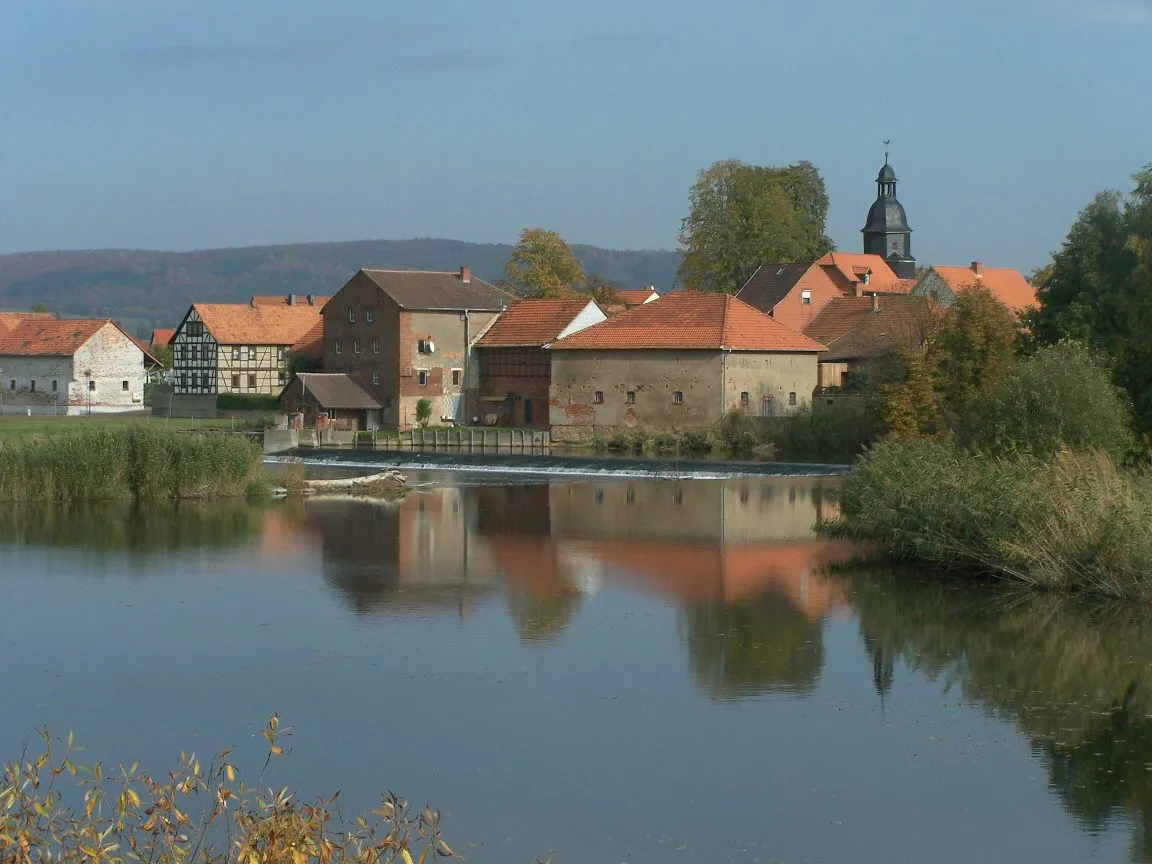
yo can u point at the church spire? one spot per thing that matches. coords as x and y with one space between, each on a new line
886 233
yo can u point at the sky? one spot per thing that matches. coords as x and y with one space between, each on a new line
183 124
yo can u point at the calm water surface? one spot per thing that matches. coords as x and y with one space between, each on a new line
593 672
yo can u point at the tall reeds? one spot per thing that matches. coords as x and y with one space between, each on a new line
138 463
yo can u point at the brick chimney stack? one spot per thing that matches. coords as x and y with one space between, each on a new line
291 299
977 268
875 302
466 275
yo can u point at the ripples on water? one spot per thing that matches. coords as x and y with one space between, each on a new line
605 670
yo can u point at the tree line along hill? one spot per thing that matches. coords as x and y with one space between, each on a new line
144 288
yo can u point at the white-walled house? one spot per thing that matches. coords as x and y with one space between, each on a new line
73 366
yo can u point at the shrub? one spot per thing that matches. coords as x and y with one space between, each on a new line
198 812
1072 522
1060 396
823 433
246 402
423 411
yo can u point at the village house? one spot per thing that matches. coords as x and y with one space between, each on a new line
944 284
73 366
860 331
626 298
330 400
161 337
408 334
516 368
680 362
241 347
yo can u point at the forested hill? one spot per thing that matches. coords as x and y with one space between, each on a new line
158 287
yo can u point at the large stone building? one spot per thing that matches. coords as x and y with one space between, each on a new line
515 366
72 366
243 347
682 361
408 335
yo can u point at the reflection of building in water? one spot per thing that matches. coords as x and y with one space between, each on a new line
417 553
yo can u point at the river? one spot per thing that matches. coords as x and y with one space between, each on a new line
597 670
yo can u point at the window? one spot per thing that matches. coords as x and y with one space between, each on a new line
422 377
806 297
678 397
55 386
183 380
375 376
33 386
743 495
598 397
375 346
631 495
599 496
283 376
235 382
331 413
280 354
123 386
196 328
355 346
744 399
235 352
457 375
678 496
91 384
791 398
369 315
425 346
252 382
351 314
339 346
630 397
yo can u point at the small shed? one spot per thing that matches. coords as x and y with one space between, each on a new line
331 400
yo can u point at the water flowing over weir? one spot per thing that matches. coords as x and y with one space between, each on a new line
539 465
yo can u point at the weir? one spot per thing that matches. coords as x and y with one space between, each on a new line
546 465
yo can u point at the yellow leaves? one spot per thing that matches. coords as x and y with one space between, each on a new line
406 855
230 773
543 265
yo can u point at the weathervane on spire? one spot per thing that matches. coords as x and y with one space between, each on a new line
886 143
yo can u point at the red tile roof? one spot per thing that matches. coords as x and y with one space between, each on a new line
11 320
691 320
282 300
161 337
248 324
48 337
311 344
532 323
1006 284
636 296
854 328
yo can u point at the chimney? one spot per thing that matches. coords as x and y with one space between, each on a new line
867 276
977 268
466 275
311 299
291 299
875 302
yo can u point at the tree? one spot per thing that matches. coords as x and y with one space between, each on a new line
973 348
41 309
742 216
543 266
423 411
1098 286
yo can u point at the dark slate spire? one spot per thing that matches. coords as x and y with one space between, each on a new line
886 233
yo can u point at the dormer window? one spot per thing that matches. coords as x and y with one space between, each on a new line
806 298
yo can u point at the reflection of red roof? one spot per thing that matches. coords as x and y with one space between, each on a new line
48 337
532 323
691 321
530 565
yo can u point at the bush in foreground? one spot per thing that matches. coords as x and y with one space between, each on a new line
201 813
1073 522
137 462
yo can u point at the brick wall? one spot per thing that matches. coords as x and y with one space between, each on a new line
378 361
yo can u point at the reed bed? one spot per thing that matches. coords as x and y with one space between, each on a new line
139 463
1074 522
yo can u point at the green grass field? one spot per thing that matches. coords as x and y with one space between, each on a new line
21 426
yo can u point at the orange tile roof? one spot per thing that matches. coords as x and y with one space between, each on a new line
532 323
636 296
311 344
162 336
1006 284
11 320
851 267
858 327
248 324
49 337
282 300
690 320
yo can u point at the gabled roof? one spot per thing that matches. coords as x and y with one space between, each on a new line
637 296
162 336
49 337
857 327
149 359
436 290
852 267
311 344
770 284
289 300
1006 284
690 320
336 390
248 324
535 323
11 320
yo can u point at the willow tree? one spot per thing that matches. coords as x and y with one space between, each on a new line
543 265
743 216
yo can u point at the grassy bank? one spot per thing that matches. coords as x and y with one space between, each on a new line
13 426
1074 521
135 462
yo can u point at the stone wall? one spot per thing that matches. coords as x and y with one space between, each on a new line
776 384
108 373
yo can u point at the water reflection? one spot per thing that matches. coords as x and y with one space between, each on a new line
1074 677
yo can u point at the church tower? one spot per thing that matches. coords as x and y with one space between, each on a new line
886 233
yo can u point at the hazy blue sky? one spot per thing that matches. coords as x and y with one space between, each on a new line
181 124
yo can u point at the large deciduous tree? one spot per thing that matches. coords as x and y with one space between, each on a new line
543 266
1098 289
743 216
